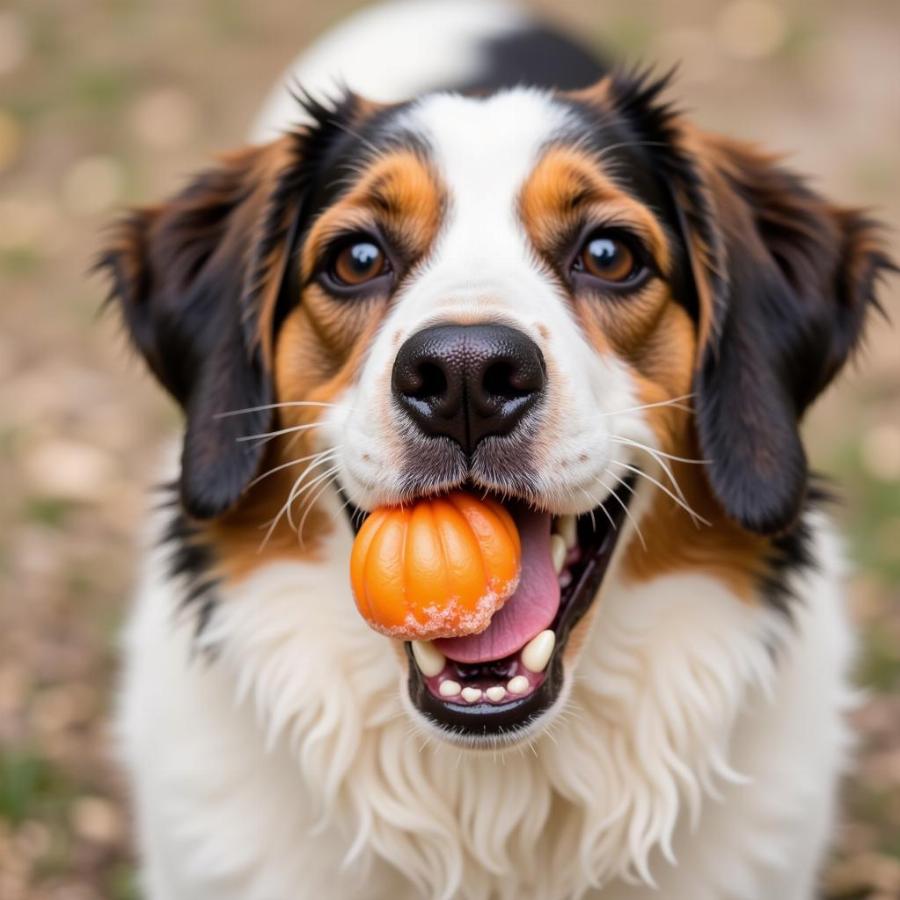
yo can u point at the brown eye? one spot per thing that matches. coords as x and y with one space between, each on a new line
359 262
608 258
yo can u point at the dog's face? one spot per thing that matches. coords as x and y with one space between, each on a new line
574 303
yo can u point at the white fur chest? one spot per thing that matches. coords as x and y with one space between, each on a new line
690 754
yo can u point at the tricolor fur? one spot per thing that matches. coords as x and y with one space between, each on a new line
276 745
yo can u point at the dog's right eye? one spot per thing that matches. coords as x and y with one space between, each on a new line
359 261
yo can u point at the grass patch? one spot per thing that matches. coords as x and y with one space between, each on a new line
20 261
880 666
630 36
29 787
102 90
874 507
122 883
48 511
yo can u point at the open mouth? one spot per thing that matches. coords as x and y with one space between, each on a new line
498 682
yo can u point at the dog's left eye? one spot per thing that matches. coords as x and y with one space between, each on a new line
610 257
357 262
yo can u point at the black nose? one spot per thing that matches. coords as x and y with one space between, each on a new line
468 381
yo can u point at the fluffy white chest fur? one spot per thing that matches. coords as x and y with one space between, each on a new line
697 756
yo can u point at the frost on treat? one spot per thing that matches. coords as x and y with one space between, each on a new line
440 567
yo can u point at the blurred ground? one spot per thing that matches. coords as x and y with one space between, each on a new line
103 103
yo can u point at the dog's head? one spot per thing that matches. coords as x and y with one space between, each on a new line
575 302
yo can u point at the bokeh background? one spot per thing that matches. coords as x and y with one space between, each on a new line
109 102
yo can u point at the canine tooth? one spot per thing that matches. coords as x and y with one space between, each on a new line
429 659
518 685
471 695
495 693
449 688
558 552
566 529
537 652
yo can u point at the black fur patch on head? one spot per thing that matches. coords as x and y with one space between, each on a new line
537 56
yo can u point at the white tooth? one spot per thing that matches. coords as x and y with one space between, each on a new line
495 693
471 695
565 527
537 652
449 688
429 659
518 685
558 552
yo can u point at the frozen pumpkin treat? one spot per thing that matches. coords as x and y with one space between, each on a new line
439 567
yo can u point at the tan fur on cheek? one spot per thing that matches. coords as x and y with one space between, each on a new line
314 365
659 347
662 368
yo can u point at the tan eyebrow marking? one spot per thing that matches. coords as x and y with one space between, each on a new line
399 192
568 184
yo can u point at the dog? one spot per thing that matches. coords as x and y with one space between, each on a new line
463 252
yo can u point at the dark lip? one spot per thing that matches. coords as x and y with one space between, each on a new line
598 535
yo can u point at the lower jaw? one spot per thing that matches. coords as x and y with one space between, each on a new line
498 701
485 720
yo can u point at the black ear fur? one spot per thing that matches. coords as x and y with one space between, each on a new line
203 282
188 277
801 276
788 281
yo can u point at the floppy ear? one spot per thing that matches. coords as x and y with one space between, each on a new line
786 282
781 285
196 280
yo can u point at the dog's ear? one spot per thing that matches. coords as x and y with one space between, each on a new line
787 281
195 280
782 283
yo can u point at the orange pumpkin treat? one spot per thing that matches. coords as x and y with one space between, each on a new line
439 567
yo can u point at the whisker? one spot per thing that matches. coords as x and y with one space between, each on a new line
683 504
358 514
600 503
293 462
343 506
624 505
299 434
252 409
311 502
674 401
619 439
268 435
622 144
593 502
299 489
369 145
659 461
286 507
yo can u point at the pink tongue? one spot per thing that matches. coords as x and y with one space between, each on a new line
527 612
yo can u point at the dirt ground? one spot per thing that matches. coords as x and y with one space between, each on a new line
107 103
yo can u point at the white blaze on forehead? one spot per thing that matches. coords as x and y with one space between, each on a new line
484 151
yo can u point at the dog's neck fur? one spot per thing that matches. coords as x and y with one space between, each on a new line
647 737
